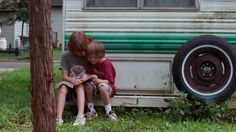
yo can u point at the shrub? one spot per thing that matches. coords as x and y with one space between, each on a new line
182 109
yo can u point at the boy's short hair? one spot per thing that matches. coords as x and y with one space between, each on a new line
95 48
78 42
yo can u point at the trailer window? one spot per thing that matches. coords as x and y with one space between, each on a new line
170 3
140 4
110 3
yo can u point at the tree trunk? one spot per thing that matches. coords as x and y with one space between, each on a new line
41 67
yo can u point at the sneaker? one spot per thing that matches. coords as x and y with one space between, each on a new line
80 120
112 116
59 121
91 114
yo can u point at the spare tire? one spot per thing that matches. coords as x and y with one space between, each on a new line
205 68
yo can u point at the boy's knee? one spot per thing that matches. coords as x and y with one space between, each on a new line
102 89
105 89
63 89
89 86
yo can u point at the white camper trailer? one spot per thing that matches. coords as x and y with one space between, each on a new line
159 47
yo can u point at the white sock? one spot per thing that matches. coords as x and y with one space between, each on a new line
79 116
91 106
107 108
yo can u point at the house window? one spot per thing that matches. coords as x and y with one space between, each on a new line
140 4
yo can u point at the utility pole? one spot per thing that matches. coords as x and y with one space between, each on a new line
41 66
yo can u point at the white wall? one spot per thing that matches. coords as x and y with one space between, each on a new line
56 18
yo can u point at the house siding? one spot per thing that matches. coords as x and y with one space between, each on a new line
17 32
57 20
7 31
12 33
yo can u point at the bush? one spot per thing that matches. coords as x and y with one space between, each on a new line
182 109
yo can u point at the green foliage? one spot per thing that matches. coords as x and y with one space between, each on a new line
8 5
20 8
182 109
14 104
57 53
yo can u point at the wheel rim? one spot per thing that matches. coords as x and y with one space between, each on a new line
207 70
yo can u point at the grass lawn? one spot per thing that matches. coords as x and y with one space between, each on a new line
15 113
25 55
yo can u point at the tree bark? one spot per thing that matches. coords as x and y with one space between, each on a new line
41 66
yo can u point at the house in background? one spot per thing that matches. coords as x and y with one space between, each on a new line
12 32
7 31
57 20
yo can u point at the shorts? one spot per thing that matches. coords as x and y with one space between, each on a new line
95 87
71 94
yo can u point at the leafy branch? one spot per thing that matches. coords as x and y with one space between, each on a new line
18 7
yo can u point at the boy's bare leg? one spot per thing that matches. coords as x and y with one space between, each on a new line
80 99
61 101
91 114
89 94
80 118
107 103
104 95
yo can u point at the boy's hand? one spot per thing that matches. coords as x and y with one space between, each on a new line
84 77
94 77
76 81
